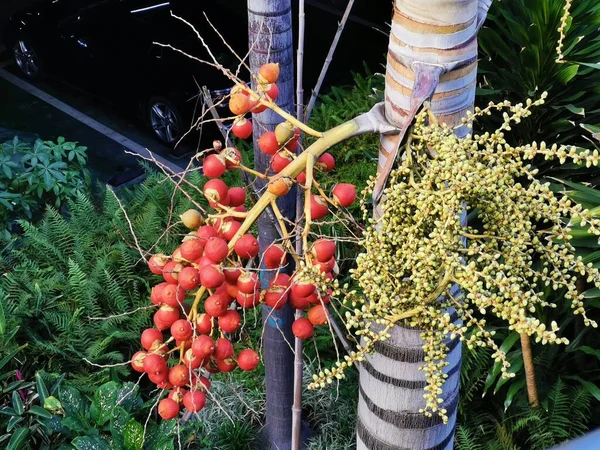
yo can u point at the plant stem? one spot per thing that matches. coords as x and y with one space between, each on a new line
336 39
298 362
529 371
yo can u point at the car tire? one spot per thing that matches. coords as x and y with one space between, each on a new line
165 121
28 59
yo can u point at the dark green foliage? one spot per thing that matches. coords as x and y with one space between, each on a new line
565 415
32 176
518 46
66 272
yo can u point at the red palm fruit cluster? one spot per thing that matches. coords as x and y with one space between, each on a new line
241 102
203 260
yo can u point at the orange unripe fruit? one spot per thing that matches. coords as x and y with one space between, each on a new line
268 73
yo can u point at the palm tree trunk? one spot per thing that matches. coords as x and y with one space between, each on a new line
270 40
432 56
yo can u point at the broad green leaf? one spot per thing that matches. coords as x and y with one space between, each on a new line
17 403
128 395
7 411
589 351
104 403
592 293
91 443
512 391
515 367
70 400
588 385
74 424
13 422
566 73
39 411
133 435
11 355
17 439
41 388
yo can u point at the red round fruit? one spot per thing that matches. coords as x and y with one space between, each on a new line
269 72
179 375
216 249
223 349
203 346
203 383
157 262
268 143
318 207
274 256
232 273
248 359
239 104
302 288
191 360
137 361
229 321
213 166
314 297
317 315
172 295
164 384
211 276
298 302
242 128
325 266
344 194
216 305
194 401
156 293
191 249
323 250
281 280
189 278
256 107
326 162
215 190
292 145
150 336
202 263
272 91
302 328
231 289
205 232
181 330
177 395
276 297
301 178
229 229
226 365
171 271
168 409
248 300
154 363
246 247
231 156
247 282
165 317
203 324
280 161
237 196
280 185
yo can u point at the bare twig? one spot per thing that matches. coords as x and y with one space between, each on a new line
328 59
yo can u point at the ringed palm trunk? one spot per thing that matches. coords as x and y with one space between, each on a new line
270 40
432 55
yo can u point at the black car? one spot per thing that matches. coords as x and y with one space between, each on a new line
107 47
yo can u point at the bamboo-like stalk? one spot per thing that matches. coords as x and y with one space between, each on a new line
298 362
328 59
532 394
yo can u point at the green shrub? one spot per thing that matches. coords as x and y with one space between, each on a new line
33 176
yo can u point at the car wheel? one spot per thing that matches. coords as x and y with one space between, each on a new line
165 120
27 58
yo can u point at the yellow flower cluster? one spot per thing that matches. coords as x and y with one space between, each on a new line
515 244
